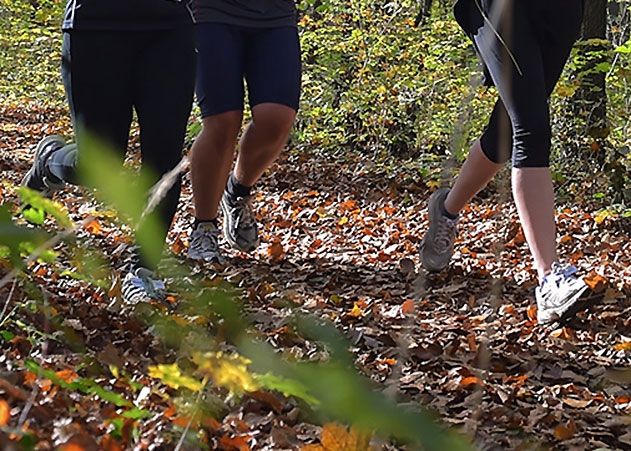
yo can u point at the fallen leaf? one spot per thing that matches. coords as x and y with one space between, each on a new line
237 443
577 403
595 281
532 312
5 413
275 251
565 432
336 437
93 227
471 341
626 346
407 308
471 381
356 311
71 447
68 375
389 362
108 443
624 399
178 246
564 333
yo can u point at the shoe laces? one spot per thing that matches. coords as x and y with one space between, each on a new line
149 282
245 218
445 234
206 237
559 274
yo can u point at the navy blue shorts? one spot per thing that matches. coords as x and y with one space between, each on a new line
268 59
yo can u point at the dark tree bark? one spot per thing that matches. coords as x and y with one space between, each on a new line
594 54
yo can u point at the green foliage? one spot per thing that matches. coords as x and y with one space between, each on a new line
121 187
79 384
30 49
376 84
14 239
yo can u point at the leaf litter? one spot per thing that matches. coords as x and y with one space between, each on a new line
340 241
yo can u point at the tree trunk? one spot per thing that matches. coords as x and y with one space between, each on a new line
593 64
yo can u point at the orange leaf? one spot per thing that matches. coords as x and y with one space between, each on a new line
5 413
468 382
93 227
45 385
565 432
595 281
182 421
389 362
170 412
110 444
348 205
532 313
178 246
68 375
623 399
211 423
626 346
238 443
71 447
275 250
407 307
30 378
334 437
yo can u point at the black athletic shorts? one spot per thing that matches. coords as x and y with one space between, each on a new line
267 59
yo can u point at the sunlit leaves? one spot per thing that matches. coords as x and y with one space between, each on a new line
124 189
172 376
226 371
288 387
38 206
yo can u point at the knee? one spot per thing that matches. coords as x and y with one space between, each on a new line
274 120
222 129
532 145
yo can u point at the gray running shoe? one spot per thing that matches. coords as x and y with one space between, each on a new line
559 294
38 178
437 246
239 223
204 245
142 285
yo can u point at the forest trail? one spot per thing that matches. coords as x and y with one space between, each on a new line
340 239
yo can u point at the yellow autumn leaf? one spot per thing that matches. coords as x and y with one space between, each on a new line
356 311
172 376
602 215
226 371
432 184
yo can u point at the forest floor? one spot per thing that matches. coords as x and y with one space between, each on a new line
340 240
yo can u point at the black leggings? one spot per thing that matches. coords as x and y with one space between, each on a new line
538 36
108 75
